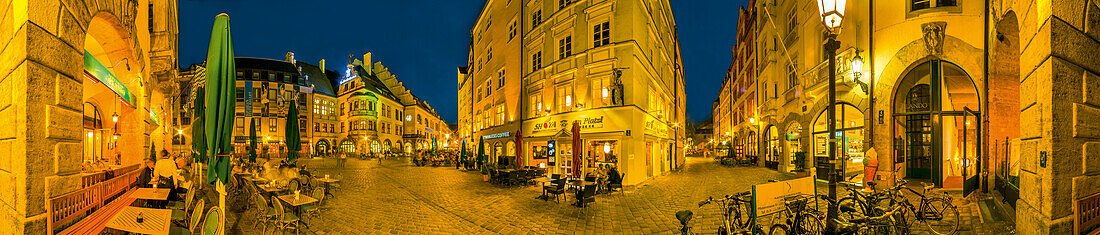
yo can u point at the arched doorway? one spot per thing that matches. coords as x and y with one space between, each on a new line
375 147
849 135
1003 103
322 146
387 146
752 146
113 87
771 149
796 157
347 146
498 153
937 125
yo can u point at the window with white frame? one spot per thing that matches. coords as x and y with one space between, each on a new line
536 61
565 47
601 92
601 34
536 104
565 98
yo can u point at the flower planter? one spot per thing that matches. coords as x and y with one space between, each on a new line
485 178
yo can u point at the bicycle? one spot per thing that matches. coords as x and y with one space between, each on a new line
866 225
734 210
800 219
936 212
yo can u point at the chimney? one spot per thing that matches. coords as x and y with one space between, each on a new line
322 65
367 62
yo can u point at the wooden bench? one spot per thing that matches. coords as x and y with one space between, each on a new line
83 210
97 221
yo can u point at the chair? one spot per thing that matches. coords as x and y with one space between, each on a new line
264 214
314 209
619 185
293 185
196 216
181 214
557 190
285 220
213 222
178 205
588 195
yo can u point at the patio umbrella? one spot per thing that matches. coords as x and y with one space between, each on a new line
221 100
153 151
435 150
481 152
577 149
462 156
519 149
252 141
198 128
293 137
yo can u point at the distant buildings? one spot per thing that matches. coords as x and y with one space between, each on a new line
360 115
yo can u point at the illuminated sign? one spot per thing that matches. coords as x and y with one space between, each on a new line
497 135
349 74
97 72
550 150
153 115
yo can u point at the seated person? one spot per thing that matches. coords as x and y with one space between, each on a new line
614 177
145 179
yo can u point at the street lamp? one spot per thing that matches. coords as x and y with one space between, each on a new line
832 14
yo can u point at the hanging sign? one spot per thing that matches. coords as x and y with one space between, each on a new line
248 98
153 116
97 72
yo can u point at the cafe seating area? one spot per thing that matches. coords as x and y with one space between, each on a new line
286 203
115 201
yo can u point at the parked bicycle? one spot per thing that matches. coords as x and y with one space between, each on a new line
799 217
858 223
735 213
935 211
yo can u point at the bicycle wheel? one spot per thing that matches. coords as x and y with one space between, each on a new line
808 223
854 209
886 227
778 229
940 216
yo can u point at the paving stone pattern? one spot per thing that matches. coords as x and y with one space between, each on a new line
395 197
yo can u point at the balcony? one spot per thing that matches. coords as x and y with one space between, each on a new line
364 112
817 76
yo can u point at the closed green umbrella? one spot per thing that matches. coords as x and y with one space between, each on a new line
153 151
198 128
462 156
220 100
293 137
252 141
481 152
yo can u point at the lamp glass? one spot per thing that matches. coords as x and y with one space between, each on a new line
857 64
606 148
831 12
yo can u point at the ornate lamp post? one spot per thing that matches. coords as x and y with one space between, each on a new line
832 13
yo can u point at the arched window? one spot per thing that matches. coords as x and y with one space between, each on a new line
849 134
771 150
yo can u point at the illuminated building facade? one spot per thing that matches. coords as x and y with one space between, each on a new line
613 67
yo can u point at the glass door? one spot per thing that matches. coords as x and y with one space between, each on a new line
969 158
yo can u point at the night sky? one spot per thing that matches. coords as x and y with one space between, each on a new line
423 41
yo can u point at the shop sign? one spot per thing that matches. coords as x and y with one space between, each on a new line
497 135
590 121
551 149
153 116
349 75
655 127
98 72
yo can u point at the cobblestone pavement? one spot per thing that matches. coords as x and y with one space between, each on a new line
395 197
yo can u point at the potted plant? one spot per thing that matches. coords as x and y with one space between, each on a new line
485 174
800 164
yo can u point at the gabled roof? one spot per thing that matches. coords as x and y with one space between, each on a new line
265 64
320 80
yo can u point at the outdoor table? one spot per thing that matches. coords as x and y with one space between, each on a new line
543 181
297 202
579 184
327 181
154 221
151 194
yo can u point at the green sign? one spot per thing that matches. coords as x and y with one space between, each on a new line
97 71
153 116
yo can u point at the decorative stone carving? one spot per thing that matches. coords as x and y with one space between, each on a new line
933 36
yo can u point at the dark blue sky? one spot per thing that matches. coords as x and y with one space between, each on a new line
423 41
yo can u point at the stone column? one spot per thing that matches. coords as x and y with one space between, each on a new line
1060 120
40 149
